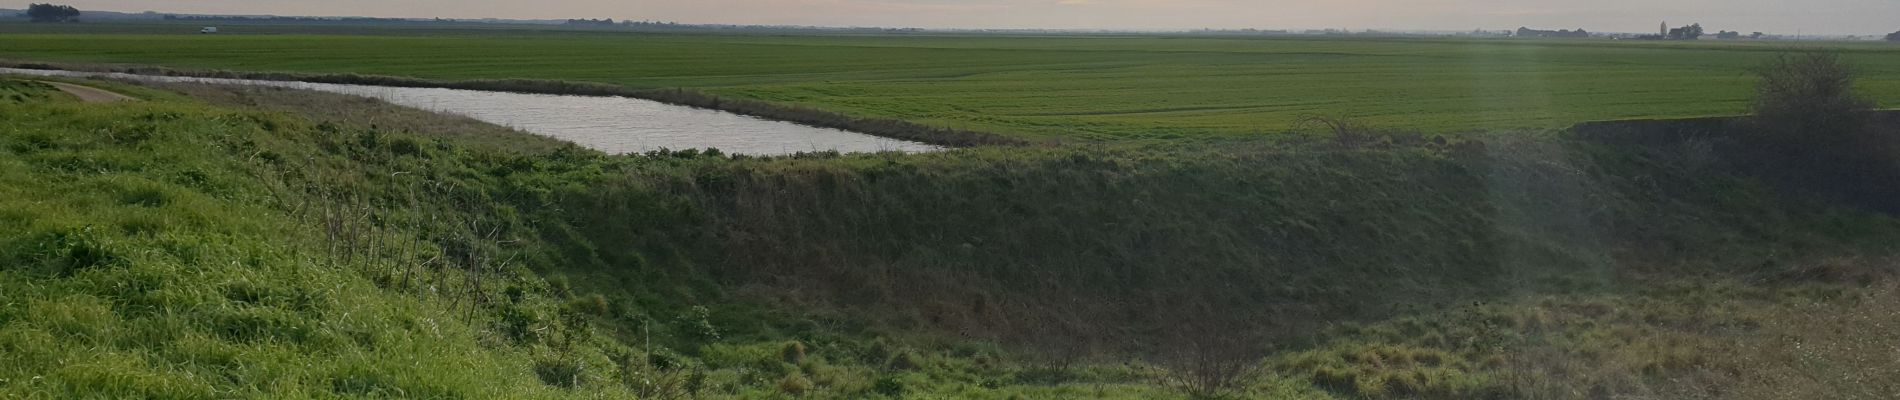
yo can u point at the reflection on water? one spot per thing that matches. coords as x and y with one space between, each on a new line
609 124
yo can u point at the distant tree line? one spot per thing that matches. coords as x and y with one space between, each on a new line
591 22
290 19
1528 32
1738 35
52 13
675 26
1691 32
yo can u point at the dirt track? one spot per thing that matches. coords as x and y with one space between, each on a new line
90 94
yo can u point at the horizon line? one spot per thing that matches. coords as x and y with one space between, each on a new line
1098 30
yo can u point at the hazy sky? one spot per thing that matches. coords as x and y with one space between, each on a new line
1774 16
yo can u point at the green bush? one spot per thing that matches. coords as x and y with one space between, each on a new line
561 372
888 385
1810 97
1813 133
793 353
795 385
906 361
593 304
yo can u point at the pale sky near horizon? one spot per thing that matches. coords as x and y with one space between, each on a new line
1773 16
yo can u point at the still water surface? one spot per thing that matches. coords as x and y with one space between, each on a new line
609 124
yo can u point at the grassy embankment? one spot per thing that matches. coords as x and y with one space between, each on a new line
144 257
181 250
20 92
886 127
1038 87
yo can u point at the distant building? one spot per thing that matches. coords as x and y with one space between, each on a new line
1691 32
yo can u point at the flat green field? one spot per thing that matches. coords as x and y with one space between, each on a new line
1091 87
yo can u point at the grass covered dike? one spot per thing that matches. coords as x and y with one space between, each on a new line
175 249
884 127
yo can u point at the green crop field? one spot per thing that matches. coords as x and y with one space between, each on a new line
1086 87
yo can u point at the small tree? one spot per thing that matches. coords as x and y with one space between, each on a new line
1813 134
1808 97
52 13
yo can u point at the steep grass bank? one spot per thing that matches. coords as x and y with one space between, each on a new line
166 249
208 252
145 257
1119 246
362 113
20 91
1069 257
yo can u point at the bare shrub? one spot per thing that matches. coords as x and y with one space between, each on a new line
1206 364
1356 134
1807 101
1054 344
1813 132
658 376
1345 131
1210 353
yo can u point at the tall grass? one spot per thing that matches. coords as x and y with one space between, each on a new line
146 257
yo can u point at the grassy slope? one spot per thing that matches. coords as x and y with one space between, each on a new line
145 258
21 92
1074 87
352 112
175 248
